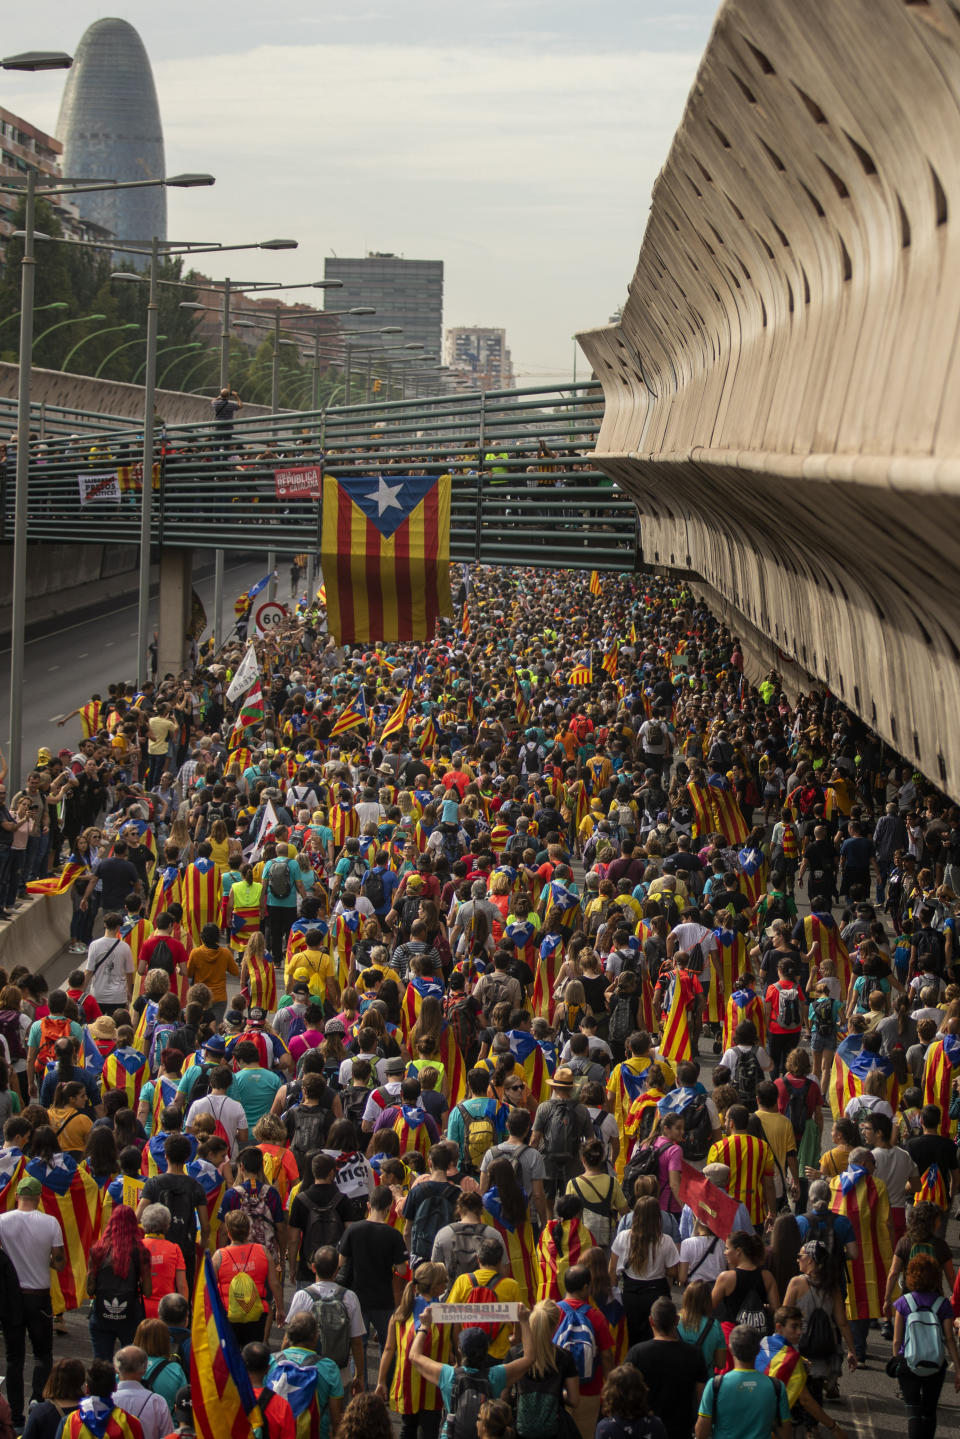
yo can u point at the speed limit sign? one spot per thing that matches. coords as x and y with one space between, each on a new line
270 616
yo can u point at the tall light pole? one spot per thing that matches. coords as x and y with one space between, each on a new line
110 330
125 346
18 615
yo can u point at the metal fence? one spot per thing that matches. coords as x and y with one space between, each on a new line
524 489
48 421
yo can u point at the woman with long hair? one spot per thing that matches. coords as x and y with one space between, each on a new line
921 1391
219 845
118 1281
101 1157
745 1291
698 1327
606 1297
86 851
398 1383
819 1286
507 1209
552 1384
165 1373
389 993
14 1026
923 1223
61 1394
782 1251
258 976
69 1122
645 1261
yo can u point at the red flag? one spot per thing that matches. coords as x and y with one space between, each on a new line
710 1205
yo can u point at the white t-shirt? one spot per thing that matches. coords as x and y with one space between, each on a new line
354 1177
29 1237
225 1111
693 1251
661 1256
687 935
302 1303
730 1056
109 983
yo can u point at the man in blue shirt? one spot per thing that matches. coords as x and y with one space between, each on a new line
281 895
379 883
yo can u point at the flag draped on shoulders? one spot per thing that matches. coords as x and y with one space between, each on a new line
125 1069
850 1070
675 1042
73 1198
561 1245
520 1243
385 553
823 931
743 1004
941 1068
221 1393
781 1361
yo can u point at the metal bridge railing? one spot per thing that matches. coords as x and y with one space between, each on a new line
524 489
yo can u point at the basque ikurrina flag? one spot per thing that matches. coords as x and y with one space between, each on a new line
221 1393
385 552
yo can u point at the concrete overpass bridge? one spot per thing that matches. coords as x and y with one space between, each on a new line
781 392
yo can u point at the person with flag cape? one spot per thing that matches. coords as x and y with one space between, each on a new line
780 1358
563 1243
506 1208
200 890
941 1071
419 987
125 1068
551 952
819 934
729 959
864 1202
97 1416
74 1199
852 1065
532 1061
223 1402
12 1166
743 1003
754 868
167 885
680 993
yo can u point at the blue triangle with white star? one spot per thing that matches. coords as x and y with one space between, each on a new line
387 500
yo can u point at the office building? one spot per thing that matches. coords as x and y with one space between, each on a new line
24 147
478 358
408 293
110 128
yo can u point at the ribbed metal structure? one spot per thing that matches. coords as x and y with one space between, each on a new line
110 127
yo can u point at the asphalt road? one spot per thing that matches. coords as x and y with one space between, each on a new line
74 660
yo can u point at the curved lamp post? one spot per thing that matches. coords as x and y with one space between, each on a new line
53 305
110 330
77 320
125 346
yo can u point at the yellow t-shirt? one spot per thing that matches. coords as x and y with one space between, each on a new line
74 1134
507 1293
313 965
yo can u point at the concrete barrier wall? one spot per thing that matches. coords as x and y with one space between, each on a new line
780 390
36 934
54 568
109 397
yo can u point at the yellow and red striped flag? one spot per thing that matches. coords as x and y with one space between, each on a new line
750 1161
941 1068
465 622
90 718
609 661
561 1244
354 714
521 1245
427 737
781 1361
856 1194
398 718
633 633
73 1198
200 888
89 1419
849 1074
594 582
58 884
582 674
221 1394
125 1069
385 553
520 700
675 1040
823 931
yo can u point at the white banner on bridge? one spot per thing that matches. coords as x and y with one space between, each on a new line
474 1313
104 486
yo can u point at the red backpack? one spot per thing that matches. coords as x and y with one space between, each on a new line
483 1294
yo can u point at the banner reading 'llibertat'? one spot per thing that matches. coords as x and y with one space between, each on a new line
385 554
505 1313
102 486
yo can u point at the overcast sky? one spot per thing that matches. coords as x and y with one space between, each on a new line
518 142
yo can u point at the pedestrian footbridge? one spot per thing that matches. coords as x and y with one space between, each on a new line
524 488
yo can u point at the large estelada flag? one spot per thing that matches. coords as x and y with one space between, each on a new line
941 1067
224 1406
71 1197
385 553
850 1070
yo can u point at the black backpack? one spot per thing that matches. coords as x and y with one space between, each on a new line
116 1301
697 1129
470 1391
796 1110
374 889
324 1228
561 1137
183 1220
353 1102
434 1214
824 1020
746 1075
822 1230
819 1338
161 957
310 1127
409 910
646 1160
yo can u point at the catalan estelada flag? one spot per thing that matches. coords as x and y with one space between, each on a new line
855 1194
398 718
933 1188
521 1245
743 1004
729 961
73 1198
624 1087
781 1361
581 674
850 1070
58 884
222 1396
532 1060
594 582
561 1244
675 1040
427 737
12 1164
125 1069
941 1067
385 554
350 717
609 661
100 1419
823 931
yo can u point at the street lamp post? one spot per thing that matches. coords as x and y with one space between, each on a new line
53 305
125 346
110 330
76 320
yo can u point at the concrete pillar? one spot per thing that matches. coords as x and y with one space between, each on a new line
176 577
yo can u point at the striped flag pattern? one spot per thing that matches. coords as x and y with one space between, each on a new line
57 884
220 1390
940 1069
354 714
855 1194
561 1245
385 553
850 1070
398 718
675 1039
750 1161
72 1197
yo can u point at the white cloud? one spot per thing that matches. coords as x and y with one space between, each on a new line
527 170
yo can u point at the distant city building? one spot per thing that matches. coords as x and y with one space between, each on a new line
298 317
24 147
408 293
110 127
478 358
